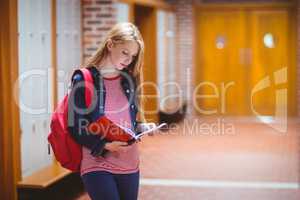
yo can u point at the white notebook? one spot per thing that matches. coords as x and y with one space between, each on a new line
139 135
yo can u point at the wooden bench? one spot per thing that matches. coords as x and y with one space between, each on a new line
45 177
51 182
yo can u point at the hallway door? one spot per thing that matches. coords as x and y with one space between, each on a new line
239 52
273 64
220 74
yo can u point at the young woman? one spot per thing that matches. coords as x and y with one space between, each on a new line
109 170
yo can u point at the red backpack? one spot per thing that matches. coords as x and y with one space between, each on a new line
66 151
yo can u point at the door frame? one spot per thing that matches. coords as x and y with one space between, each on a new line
10 172
151 3
247 5
148 15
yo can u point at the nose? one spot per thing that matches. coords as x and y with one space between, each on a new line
128 61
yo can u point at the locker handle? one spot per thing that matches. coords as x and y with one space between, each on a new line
49 150
45 123
33 128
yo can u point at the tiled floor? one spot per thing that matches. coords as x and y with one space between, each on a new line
220 159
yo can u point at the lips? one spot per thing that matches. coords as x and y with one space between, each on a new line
123 65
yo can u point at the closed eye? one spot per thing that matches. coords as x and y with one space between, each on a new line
125 53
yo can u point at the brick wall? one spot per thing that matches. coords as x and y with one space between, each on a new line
98 16
185 47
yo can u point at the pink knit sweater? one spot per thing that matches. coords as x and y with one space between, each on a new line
117 110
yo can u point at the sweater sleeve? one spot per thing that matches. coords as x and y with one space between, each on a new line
78 119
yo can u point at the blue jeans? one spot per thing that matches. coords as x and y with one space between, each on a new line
101 185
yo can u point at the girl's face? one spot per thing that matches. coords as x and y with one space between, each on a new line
122 54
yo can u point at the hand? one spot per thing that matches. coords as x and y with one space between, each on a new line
116 146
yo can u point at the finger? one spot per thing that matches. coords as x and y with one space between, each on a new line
121 143
123 149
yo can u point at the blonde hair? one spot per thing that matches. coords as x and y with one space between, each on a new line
121 33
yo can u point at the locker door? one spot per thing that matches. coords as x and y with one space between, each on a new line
25 98
59 39
61 47
76 39
46 83
169 90
162 71
34 52
68 42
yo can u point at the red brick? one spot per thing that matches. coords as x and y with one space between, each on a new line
92 36
104 2
92 9
87 29
104 15
87 1
87 15
93 22
110 22
103 29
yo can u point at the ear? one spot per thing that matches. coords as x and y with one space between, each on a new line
109 44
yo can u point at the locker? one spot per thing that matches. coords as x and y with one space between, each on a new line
170 34
35 57
25 151
161 62
166 55
35 54
68 42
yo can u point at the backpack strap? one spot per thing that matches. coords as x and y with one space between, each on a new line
88 82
